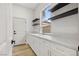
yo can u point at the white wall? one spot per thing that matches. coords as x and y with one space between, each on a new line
67 24
37 14
66 29
26 13
39 9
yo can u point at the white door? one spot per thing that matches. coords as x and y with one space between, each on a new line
5 29
19 29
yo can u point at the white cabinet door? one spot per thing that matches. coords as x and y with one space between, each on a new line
55 52
31 41
39 46
28 39
34 43
43 48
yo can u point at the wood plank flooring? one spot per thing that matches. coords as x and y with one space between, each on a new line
23 50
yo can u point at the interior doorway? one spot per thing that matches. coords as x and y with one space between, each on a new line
19 28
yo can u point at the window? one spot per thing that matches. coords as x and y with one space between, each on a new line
46 24
46 13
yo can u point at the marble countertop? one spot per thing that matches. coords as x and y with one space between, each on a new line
68 40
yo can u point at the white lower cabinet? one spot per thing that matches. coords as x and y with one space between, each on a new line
39 46
36 45
55 52
59 50
43 47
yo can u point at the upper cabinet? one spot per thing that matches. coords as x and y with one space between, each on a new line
45 23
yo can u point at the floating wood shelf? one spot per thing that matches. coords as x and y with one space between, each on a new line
35 20
68 13
35 24
58 6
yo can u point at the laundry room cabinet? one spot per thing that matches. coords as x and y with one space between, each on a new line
34 43
38 45
63 40
60 50
44 47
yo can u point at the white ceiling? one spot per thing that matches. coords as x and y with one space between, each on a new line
29 5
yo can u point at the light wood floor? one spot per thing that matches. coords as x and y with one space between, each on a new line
23 50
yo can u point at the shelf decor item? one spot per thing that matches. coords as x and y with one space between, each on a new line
36 19
58 6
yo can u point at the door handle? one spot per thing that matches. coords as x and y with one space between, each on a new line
12 41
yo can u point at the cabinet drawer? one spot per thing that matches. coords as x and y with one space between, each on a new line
55 48
55 52
47 43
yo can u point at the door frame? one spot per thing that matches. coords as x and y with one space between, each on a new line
13 25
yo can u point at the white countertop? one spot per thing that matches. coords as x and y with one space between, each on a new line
68 40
